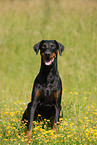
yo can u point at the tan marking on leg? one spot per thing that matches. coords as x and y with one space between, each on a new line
53 126
54 129
28 134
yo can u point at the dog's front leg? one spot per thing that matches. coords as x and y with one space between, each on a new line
57 113
57 96
30 111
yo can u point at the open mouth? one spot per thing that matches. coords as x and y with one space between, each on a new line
48 62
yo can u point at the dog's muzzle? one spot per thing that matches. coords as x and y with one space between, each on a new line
48 59
48 62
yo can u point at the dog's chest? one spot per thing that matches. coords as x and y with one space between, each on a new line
48 89
47 94
47 86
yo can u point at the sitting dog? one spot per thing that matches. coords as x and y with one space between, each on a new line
47 88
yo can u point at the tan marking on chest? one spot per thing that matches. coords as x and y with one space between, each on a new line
56 94
38 93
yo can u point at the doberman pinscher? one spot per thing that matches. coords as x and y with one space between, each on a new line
47 88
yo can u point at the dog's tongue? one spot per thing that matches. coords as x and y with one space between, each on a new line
49 62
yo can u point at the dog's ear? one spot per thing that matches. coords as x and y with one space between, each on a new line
60 47
36 47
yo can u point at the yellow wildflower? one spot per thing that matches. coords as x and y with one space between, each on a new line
8 127
76 93
6 112
5 139
60 119
85 98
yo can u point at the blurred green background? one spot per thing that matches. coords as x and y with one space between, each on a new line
25 22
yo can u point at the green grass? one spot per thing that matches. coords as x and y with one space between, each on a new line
22 24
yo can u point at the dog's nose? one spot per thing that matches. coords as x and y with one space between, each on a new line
47 54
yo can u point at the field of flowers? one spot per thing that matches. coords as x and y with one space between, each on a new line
23 23
72 130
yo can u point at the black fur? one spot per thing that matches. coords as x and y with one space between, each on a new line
47 88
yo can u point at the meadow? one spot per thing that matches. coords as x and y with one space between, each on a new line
74 24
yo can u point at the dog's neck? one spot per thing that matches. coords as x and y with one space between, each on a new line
46 69
48 73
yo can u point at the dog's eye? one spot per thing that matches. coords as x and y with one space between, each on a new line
44 46
52 46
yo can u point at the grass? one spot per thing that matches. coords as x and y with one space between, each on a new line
22 24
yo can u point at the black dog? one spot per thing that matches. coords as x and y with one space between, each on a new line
47 89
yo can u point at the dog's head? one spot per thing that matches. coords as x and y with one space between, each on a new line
48 50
